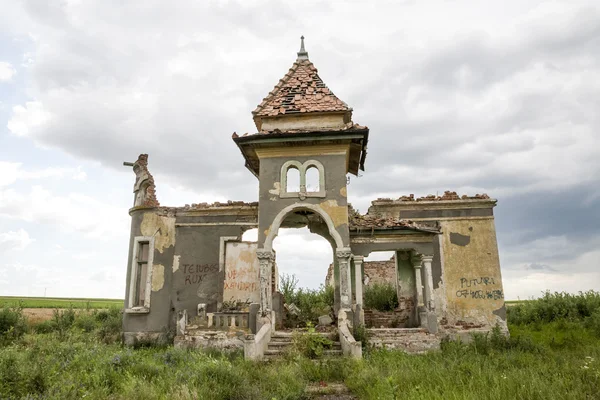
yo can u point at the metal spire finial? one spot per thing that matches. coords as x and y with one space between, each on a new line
302 54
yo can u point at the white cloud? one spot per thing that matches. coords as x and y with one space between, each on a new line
11 172
7 71
30 119
14 240
72 212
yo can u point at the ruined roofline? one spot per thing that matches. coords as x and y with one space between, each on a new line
360 222
448 198
386 224
216 207
348 128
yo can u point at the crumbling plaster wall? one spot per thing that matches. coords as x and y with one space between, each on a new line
466 271
335 204
155 325
186 267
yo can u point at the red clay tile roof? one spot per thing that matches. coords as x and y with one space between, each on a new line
301 90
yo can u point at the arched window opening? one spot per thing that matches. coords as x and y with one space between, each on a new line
292 180
312 180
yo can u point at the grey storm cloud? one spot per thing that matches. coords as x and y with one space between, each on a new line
512 113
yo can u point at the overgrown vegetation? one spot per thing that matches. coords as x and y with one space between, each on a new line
380 297
310 343
12 324
312 303
557 306
544 358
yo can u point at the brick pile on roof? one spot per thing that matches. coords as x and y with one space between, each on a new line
301 90
447 196
358 221
218 204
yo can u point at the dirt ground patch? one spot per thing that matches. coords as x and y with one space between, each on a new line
38 314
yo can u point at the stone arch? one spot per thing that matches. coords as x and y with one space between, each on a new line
276 224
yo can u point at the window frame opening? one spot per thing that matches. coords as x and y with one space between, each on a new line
140 286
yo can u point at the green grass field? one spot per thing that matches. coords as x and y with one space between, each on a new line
59 302
553 352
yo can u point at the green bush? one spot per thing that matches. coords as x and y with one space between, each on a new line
45 326
312 302
593 322
86 322
381 297
13 324
555 306
111 322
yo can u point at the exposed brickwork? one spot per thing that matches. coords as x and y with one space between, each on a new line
411 340
379 272
387 319
150 200
301 90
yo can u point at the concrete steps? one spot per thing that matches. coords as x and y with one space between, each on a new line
409 340
282 342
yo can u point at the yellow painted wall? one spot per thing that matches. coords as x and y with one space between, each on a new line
471 272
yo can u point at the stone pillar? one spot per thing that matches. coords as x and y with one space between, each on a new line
416 262
432 323
343 255
265 260
358 262
429 301
421 310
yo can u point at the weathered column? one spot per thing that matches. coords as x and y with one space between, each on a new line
343 255
265 260
429 301
421 310
432 323
416 262
358 262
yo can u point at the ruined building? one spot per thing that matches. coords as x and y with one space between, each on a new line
190 276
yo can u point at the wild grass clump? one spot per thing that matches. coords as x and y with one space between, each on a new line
311 344
380 297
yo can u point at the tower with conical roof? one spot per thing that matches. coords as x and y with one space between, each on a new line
303 128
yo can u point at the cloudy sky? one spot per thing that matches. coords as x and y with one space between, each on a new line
472 96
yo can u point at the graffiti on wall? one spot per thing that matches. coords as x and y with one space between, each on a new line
241 272
478 288
197 273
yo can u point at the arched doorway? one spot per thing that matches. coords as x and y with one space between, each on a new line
318 221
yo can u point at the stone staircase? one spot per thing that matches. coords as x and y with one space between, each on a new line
409 340
281 342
